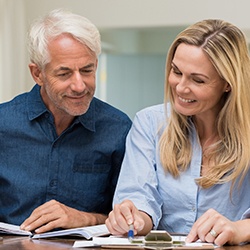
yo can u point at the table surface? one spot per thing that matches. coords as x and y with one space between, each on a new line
25 243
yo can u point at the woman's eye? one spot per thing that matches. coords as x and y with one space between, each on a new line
177 72
198 80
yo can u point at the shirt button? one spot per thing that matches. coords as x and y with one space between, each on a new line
53 183
193 209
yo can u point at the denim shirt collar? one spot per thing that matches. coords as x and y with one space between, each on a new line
37 108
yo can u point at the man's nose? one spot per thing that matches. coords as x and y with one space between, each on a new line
78 84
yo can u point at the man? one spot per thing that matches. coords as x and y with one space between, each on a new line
61 148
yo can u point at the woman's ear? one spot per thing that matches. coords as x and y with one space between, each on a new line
36 73
228 88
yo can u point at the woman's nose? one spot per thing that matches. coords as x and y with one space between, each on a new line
183 86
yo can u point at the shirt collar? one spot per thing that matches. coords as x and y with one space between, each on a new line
88 119
36 108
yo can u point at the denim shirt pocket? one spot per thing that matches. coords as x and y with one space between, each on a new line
91 185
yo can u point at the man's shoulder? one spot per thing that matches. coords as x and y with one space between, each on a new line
18 100
108 111
23 102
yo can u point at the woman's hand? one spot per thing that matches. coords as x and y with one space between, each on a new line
125 214
215 228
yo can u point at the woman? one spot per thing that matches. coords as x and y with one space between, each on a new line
186 167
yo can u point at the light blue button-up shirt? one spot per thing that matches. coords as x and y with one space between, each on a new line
173 204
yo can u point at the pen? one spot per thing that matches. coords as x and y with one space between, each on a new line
131 232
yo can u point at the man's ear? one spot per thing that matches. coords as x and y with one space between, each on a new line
36 73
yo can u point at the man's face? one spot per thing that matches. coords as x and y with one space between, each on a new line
68 80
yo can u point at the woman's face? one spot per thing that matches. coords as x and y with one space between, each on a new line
196 86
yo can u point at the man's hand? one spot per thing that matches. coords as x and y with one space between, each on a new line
54 214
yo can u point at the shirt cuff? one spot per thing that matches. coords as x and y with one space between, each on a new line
246 214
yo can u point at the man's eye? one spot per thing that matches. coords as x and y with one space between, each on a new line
86 71
63 74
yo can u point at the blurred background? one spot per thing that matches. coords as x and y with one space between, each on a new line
136 35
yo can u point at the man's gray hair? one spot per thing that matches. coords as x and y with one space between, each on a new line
54 24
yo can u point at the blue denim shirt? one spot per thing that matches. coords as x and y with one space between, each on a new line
78 168
173 203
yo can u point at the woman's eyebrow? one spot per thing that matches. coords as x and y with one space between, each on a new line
193 74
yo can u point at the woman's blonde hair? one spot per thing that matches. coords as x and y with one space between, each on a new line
227 50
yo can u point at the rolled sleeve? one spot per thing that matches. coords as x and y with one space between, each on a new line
246 214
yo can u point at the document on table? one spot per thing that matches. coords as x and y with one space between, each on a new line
85 232
123 242
111 240
12 229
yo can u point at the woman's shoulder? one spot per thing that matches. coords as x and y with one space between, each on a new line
153 117
157 109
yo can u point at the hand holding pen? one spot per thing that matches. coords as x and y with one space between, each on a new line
125 218
131 233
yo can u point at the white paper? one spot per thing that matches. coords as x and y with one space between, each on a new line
12 229
84 243
111 240
86 232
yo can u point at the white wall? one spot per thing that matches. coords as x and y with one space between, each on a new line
148 13
128 27
134 81
13 67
